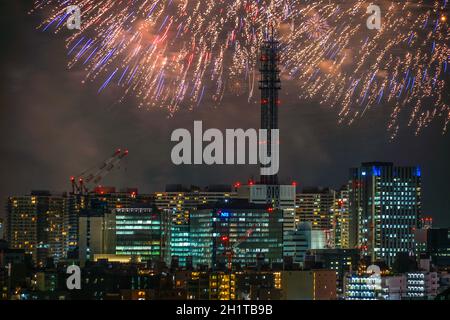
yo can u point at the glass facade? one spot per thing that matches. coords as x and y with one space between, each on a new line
180 243
385 204
244 232
139 232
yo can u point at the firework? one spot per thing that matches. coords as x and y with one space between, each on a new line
178 53
316 27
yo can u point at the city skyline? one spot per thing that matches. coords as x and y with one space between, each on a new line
315 150
343 194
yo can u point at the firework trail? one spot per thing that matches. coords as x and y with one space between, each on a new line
177 53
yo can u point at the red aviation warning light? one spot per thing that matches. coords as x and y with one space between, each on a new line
94 175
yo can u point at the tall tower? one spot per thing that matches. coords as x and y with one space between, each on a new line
269 85
385 209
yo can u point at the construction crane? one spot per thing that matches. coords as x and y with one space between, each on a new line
230 251
92 176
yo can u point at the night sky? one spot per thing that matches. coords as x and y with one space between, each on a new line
52 127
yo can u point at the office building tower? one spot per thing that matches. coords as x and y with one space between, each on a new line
36 224
236 233
341 219
385 208
76 204
316 206
178 201
96 233
281 197
109 198
179 245
182 198
140 232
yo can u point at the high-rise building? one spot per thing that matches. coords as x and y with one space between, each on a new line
140 232
76 204
36 224
277 196
341 219
316 206
385 208
181 199
96 232
108 198
178 201
236 232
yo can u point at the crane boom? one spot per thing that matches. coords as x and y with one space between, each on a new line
95 174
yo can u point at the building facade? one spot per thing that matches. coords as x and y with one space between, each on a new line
36 224
385 208
277 196
341 219
140 232
422 285
236 231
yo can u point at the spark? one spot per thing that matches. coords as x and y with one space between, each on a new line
176 54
